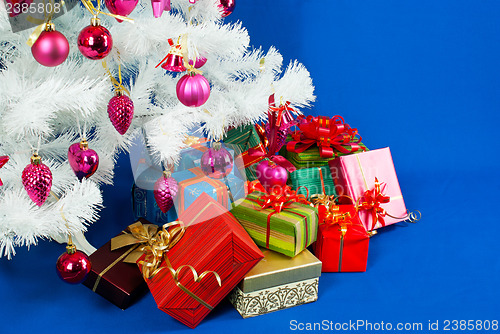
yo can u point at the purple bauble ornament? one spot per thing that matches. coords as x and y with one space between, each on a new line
227 7
121 112
271 175
165 191
37 180
216 162
95 41
121 7
83 161
193 90
51 48
73 266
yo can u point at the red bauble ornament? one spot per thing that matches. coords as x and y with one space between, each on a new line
3 161
271 176
193 90
95 41
51 48
37 180
216 162
73 266
83 160
121 7
165 191
121 112
227 7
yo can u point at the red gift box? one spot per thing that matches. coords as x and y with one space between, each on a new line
342 243
213 241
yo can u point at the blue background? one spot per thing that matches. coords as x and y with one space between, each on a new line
419 76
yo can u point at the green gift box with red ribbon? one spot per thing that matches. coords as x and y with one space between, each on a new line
287 227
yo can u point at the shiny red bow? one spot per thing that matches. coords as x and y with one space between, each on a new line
281 198
3 161
327 133
280 119
371 201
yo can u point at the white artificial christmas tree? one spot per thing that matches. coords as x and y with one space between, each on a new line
47 109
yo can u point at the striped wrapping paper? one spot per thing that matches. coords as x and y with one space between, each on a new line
217 244
315 180
290 231
244 137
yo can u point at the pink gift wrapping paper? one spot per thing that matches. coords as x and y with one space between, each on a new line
354 174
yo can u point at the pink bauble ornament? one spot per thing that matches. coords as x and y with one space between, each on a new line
227 7
73 266
271 176
121 7
216 162
3 160
193 90
51 48
121 112
165 191
37 180
200 61
83 161
159 6
95 41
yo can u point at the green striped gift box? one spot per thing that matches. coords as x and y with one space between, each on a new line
244 137
313 179
290 231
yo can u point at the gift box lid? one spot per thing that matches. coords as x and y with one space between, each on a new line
278 269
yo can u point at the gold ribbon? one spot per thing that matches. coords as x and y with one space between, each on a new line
155 251
185 56
118 85
95 11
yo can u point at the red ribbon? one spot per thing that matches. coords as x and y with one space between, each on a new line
278 201
327 133
268 147
3 161
371 201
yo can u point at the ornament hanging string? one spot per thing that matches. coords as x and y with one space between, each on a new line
33 150
118 85
42 24
70 239
185 56
96 11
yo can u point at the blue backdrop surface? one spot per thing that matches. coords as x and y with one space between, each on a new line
421 77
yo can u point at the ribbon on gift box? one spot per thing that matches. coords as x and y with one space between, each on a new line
279 200
196 143
327 133
155 247
220 187
272 137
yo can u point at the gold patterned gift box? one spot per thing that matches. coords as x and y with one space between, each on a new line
277 282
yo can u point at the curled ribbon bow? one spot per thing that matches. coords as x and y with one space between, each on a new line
371 201
155 248
281 198
327 133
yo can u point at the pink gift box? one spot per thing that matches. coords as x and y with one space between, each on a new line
354 174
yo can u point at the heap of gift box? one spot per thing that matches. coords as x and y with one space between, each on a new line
265 191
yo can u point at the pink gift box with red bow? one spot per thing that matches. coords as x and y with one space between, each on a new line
370 180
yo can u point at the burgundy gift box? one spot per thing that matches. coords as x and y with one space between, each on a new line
119 282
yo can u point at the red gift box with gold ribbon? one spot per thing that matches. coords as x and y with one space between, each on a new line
342 242
193 265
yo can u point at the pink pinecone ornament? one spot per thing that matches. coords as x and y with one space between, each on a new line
121 112
37 180
165 191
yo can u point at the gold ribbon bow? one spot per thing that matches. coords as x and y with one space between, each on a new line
157 245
